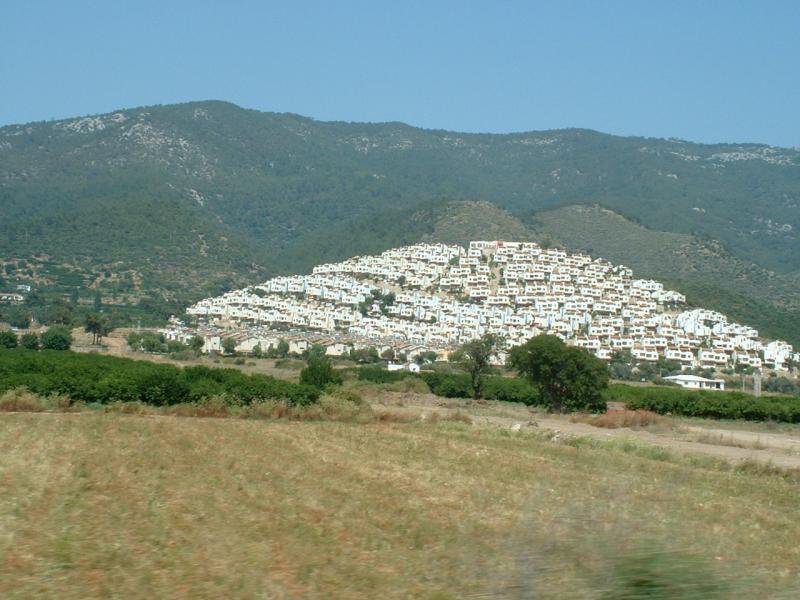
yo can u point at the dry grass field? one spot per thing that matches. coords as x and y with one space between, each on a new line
131 506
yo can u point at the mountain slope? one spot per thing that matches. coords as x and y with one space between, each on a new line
207 194
701 269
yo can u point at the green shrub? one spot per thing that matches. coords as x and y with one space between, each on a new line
379 375
320 372
705 403
448 385
510 389
106 379
8 339
56 338
29 341
456 385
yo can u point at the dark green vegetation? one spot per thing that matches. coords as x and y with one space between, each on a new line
177 202
569 378
699 267
458 385
706 404
661 400
56 338
104 379
473 357
55 304
319 371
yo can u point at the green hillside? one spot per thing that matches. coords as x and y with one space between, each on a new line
187 199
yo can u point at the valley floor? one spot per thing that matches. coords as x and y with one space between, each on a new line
108 505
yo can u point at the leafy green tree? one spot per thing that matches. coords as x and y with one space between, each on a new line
152 342
568 377
197 343
282 349
134 340
35 300
319 372
429 356
316 350
474 357
98 325
365 355
8 339
257 351
229 346
57 338
29 341
59 313
175 346
18 317
621 365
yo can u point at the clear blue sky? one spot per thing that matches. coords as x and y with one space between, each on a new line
700 70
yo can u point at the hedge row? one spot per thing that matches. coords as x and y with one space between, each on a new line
103 379
456 385
706 404
662 400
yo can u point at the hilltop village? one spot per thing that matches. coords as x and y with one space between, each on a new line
434 297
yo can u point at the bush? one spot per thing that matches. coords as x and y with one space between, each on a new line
706 404
21 400
455 385
56 338
8 339
379 375
106 379
29 341
448 385
320 372
510 389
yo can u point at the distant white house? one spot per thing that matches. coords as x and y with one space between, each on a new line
413 367
697 383
12 298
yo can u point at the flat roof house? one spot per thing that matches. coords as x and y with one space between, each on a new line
697 383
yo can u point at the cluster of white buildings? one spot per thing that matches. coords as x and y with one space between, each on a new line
436 296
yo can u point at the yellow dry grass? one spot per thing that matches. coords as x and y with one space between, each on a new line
130 506
623 418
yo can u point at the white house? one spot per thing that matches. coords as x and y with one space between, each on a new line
697 383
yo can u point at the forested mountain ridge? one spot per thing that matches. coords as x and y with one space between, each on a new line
201 195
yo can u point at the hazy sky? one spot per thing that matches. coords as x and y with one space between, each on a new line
701 70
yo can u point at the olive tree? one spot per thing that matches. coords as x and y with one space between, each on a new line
474 357
568 377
